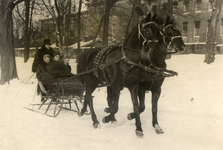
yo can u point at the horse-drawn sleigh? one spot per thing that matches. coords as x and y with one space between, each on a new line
138 64
67 94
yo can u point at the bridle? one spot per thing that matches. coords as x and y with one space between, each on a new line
143 36
164 34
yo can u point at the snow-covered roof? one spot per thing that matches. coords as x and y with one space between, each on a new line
85 44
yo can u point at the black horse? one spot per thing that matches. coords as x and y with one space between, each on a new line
169 38
119 67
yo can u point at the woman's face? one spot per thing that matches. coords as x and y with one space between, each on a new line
56 57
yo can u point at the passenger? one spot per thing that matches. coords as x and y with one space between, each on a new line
43 76
46 49
66 60
56 67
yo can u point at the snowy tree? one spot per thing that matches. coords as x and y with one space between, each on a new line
8 64
211 34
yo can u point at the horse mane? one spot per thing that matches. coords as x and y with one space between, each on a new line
127 37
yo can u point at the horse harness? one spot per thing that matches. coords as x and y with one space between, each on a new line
100 59
164 34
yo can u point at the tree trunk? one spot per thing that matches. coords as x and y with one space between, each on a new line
79 31
211 34
67 24
59 27
98 30
8 64
106 24
135 17
129 23
27 37
108 5
170 8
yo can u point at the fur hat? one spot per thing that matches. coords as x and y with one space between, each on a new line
56 53
46 41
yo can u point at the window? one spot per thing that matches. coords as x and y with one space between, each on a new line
197 24
197 31
184 33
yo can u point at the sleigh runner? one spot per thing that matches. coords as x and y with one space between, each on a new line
68 94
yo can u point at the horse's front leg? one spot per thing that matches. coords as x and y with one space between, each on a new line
141 95
155 98
113 100
134 94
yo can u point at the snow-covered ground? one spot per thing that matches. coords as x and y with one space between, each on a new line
190 113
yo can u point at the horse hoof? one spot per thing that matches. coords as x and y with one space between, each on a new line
105 120
96 125
139 133
107 110
114 122
158 129
129 116
79 114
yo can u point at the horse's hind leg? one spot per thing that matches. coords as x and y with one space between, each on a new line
93 115
113 100
109 99
155 98
90 87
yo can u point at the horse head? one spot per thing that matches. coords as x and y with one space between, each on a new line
149 31
171 36
145 33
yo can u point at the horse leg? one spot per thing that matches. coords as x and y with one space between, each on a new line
93 115
90 87
84 109
113 100
141 95
155 98
134 94
109 99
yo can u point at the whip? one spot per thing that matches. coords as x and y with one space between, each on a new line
24 85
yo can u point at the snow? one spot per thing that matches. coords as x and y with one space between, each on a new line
190 113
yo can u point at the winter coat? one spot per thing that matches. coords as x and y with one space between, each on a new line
56 67
45 77
68 68
39 57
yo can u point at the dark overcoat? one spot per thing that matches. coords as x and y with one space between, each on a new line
38 59
57 67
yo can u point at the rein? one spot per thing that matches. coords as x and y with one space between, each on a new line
126 60
160 73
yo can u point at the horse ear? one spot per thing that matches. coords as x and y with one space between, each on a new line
167 20
154 17
148 17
